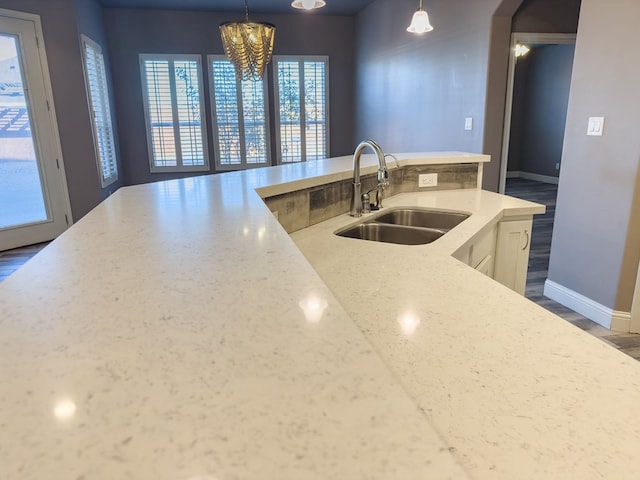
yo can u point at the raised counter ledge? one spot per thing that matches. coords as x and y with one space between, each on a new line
289 178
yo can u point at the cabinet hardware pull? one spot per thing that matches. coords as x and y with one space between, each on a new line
526 244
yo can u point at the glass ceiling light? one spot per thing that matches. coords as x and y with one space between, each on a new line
521 50
248 45
420 21
308 4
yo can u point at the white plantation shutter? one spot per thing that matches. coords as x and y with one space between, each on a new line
315 109
98 95
176 130
240 114
302 108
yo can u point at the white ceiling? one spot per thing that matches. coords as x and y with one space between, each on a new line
333 7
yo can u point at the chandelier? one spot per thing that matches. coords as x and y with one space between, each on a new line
248 45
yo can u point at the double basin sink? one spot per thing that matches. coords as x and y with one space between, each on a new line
405 225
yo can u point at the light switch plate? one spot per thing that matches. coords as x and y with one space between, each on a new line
468 123
596 126
428 180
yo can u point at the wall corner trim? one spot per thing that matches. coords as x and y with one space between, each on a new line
612 319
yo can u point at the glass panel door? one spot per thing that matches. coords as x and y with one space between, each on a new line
22 200
34 204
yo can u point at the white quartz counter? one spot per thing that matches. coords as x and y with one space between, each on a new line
177 332
515 391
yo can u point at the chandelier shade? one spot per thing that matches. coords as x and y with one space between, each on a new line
420 21
248 45
308 4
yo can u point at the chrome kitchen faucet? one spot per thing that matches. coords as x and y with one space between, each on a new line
383 177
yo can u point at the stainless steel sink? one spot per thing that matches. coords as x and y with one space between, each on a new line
405 226
380 232
412 217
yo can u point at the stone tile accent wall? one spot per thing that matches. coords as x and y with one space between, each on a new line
302 208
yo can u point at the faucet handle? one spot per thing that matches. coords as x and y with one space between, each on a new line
383 177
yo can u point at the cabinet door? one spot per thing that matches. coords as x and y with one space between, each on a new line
483 251
486 266
512 254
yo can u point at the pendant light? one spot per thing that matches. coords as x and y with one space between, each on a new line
420 21
308 4
248 45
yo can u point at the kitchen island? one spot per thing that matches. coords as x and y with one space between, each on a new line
178 332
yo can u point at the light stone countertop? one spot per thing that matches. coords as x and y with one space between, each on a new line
176 332
517 392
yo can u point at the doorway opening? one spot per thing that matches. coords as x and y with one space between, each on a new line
536 106
535 117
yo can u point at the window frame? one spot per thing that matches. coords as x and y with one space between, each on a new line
109 165
179 167
301 59
243 165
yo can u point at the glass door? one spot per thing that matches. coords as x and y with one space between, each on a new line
33 197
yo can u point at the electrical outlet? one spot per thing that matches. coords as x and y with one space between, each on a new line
557 166
468 123
428 180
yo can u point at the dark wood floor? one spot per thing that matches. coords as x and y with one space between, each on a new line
11 260
539 265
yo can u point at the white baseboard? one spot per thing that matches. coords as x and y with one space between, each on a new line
612 319
533 176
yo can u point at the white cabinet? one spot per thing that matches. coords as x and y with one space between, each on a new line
512 253
480 252
486 266
501 252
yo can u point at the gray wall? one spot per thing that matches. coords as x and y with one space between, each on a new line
65 65
540 98
518 112
132 32
414 91
547 16
499 51
596 241
90 22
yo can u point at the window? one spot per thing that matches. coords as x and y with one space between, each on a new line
98 96
176 129
240 126
302 106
